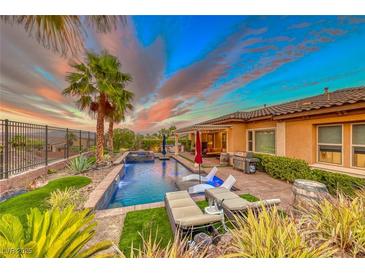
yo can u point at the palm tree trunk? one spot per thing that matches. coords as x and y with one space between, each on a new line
100 129
110 136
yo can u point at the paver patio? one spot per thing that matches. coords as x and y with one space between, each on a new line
259 184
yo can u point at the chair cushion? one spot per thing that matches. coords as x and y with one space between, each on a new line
177 195
181 203
216 190
236 204
186 211
226 196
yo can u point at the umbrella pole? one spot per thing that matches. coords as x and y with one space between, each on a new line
200 178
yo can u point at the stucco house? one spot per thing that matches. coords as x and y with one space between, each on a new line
327 131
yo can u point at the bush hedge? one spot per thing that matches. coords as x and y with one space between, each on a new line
289 169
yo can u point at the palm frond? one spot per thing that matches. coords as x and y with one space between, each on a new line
63 33
105 23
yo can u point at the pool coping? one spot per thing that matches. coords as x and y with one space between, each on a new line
96 196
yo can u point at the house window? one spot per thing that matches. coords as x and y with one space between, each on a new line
265 141
358 145
261 141
224 140
250 141
330 144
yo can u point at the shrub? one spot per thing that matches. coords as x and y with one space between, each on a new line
284 168
79 164
289 169
92 159
51 171
342 222
271 235
64 198
337 182
50 234
123 138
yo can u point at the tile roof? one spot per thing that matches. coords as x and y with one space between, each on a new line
324 100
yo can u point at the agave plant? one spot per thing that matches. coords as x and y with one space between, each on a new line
50 234
63 198
79 164
269 234
340 221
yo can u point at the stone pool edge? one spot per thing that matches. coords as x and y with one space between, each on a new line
96 196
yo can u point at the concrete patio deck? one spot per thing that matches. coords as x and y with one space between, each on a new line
259 184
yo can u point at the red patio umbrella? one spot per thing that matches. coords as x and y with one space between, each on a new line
198 152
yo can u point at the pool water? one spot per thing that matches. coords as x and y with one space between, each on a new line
147 182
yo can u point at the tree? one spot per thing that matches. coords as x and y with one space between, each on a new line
121 103
94 83
63 33
123 138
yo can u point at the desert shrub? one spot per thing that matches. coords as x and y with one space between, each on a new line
107 157
64 198
50 234
51 171
271 235
79 164
92 149
289 169
340 221
92 159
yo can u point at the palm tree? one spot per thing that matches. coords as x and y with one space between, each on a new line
121 104
95 84
63 33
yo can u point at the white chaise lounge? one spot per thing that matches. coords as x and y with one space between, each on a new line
233 204
195 177
227 184
185 215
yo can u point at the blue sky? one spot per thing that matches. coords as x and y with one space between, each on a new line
190 68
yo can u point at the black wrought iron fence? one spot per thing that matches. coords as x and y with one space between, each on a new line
24 146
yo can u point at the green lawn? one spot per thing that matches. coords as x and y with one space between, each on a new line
20 205
153 221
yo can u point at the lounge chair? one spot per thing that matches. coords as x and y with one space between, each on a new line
227 184
195 177
233 204
185 215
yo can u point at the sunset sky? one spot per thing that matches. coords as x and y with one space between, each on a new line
187 69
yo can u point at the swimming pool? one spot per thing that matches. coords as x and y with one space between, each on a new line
147 182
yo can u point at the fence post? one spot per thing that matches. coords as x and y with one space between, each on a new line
88 140
46 141
6 148
67 143
80 142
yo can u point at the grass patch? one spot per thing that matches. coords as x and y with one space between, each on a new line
154 220
19 205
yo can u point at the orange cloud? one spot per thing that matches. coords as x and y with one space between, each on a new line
28 116
51 94
157 113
